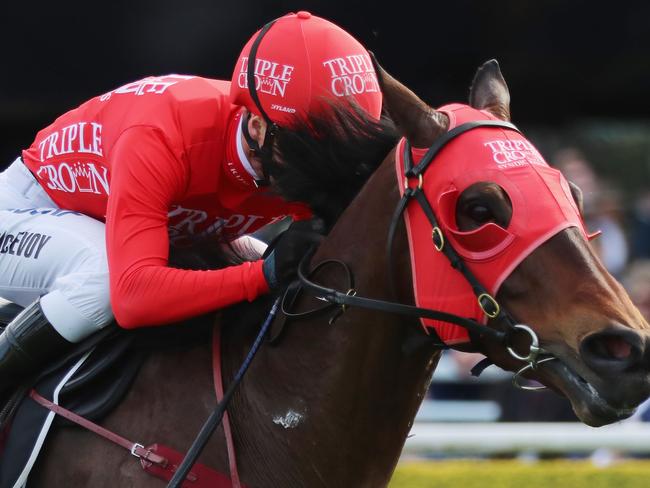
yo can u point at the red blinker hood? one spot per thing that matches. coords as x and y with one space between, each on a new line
542 206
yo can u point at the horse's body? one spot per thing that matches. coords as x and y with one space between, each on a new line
331 405
327 406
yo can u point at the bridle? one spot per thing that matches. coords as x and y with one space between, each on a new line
506 326
336 299
488 304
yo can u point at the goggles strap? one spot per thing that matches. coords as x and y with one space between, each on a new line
250 75
265 151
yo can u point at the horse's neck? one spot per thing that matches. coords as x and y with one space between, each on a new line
333 404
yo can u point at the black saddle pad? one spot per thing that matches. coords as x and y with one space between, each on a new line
90 381
90 384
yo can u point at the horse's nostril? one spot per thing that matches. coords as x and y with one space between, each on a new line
617 347
613 351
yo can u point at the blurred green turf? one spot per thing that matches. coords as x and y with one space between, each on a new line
516 474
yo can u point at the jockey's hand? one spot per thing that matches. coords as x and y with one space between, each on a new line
281 265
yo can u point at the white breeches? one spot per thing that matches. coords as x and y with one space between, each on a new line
54 254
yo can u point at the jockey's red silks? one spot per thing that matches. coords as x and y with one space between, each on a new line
158 160
542 206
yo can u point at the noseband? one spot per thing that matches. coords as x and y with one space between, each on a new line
506 326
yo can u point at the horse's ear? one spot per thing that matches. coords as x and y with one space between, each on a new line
418 122
578 198
489 91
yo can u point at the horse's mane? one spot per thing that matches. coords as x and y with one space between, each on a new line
325 161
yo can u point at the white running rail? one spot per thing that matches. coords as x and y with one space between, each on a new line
491 438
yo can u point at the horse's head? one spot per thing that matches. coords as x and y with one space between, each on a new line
553 282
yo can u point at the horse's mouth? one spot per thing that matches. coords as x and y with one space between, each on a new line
588 404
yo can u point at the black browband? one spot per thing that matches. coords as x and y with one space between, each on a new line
487 303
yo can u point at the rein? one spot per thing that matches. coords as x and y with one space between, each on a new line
162 461
295 290
215 417
344 300
487 303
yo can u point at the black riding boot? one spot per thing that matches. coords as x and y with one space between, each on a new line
27 343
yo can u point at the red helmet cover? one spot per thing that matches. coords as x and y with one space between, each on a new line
302 61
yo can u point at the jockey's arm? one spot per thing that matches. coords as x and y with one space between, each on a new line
146 179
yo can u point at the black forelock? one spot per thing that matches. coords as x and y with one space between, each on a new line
325 161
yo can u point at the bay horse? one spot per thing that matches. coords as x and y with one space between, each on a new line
332 404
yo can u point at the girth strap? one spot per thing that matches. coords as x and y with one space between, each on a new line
136 449
161 466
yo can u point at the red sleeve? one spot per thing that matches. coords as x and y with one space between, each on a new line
146 178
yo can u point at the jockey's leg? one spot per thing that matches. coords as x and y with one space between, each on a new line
26 343
53 254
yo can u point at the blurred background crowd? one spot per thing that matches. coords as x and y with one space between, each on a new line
578 74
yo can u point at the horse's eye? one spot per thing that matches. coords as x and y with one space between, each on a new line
479 213
481 203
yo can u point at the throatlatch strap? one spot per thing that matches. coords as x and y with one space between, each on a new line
218 388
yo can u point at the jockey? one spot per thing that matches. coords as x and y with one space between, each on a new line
90 210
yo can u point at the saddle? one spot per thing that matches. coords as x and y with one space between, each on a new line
90 381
